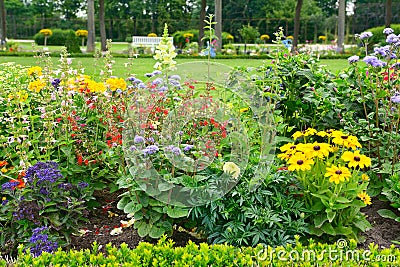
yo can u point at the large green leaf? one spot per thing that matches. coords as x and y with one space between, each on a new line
328 228
132 207
143 229
385 213
156 232
177 212
330 215
319 220
123 202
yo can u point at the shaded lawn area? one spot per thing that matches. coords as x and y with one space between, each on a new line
140 66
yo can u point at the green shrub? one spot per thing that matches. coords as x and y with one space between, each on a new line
269 214
59 37
72 43
166 254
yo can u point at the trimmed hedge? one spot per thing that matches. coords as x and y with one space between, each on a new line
61 37
166 254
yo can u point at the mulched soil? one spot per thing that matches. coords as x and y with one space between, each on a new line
106 217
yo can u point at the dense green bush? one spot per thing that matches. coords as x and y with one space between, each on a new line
269 214
59 37
165 254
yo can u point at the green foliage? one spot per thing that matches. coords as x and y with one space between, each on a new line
249 34
72 43
56 204
271 214
59 37
164 254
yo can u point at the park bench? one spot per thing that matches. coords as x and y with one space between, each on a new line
145 41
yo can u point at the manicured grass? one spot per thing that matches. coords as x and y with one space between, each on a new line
140 66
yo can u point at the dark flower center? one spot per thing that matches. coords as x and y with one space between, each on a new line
357 158
293 147
344 137
316 148
338 172
300 162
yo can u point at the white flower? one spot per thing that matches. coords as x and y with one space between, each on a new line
231 168
116 231
129 223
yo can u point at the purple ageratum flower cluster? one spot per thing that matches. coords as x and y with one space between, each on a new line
187 148
56 82
385 51
374 61
138 139
149 150
388 31
40 242
353 59
365 35
175 150
396 98
43 171
393 39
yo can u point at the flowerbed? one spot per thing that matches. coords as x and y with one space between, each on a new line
196 150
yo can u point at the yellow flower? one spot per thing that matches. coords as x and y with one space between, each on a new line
264 37
285 156
81 33
188 35
327 133
46 32
355 159
297 134
300 162
35 70
319 150
116 83
345 140
152 34
96 86
22 95
231 168
288 147
310 131
337 174
364 197
36 86
243 110
364 177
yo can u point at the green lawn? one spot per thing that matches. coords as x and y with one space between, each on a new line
140 66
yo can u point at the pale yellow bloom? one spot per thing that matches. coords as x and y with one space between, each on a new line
231 168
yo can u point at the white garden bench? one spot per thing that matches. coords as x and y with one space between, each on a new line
145 41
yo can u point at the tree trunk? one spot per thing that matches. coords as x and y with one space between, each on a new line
296 25
91 29
341 26
103 36
3 22
388 13
202 23
218 26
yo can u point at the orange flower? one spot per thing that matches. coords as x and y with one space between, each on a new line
3 163
21 183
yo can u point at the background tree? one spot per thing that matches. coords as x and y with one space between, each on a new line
388 13
218 26
203 7
3 22
296 25
249 35
90 25
341 25
103 37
